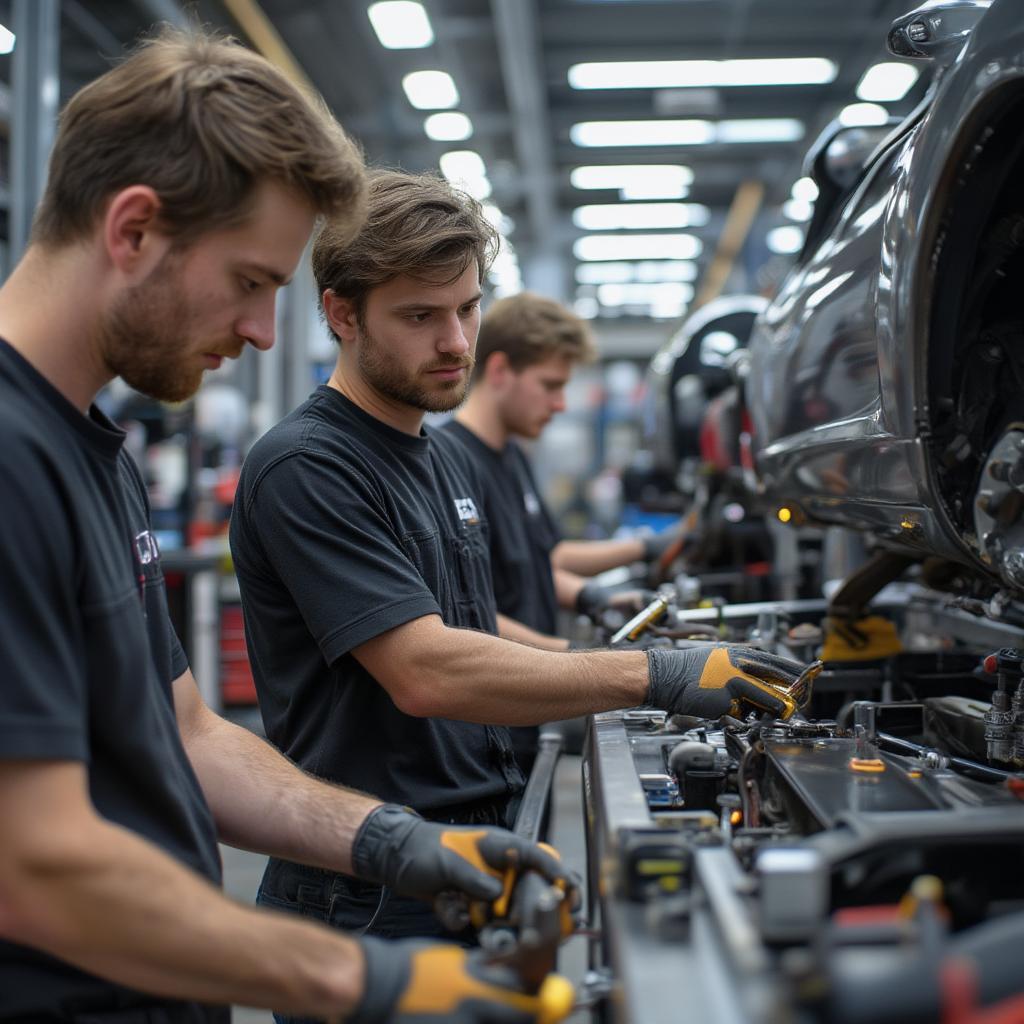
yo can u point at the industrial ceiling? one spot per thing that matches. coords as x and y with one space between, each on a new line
516 66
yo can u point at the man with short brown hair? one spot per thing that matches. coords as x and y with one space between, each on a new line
184 186
527 350
361 550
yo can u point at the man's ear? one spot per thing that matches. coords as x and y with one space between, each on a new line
497 369
132 234
341 315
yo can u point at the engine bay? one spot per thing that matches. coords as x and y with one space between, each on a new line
836 865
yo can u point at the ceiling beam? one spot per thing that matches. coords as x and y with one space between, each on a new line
523 74
738 223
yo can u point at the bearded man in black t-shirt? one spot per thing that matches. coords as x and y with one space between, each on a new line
183 187
361 546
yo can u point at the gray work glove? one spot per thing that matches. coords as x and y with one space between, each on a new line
594 600
397 848
710 681
415 982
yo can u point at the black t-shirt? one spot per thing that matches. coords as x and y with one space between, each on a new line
89 652
522 531
344 528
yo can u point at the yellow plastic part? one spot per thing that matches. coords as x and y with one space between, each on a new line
867 765
557 998
867 639
439 983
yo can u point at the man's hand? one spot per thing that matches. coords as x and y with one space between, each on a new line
397 848
711 681
416 982
593 600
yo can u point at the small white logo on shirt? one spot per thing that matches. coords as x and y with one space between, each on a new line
467 510
531 503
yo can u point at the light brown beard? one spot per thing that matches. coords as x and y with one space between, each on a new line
393 381
144 336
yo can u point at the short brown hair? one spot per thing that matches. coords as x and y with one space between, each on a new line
529 329
202 121
416 225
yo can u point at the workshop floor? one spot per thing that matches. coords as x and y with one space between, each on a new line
242 871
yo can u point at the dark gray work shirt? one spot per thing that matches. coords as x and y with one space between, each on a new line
89 654
344 528
522 532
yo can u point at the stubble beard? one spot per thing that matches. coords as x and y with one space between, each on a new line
393 381
144 336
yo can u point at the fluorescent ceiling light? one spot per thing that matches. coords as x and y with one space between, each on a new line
666 270
685 133
805 188
646 216
760 129
586 307
636 181
448 127
859 115
648 271
785 240
637 247
604 273
653 190
674 74
6 39
797 209
672 292
464 169
462 163
431 90
401 24
641 133
887 83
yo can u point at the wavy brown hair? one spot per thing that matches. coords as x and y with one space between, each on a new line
531 328
416 225
202 120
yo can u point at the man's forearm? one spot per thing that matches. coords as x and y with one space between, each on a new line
510 629
433 671
590 557
263 802
108 901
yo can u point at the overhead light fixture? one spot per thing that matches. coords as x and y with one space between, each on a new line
666 270
805 189
685 133
645 216
785 240
863 115
401 24
637 247
465 169
759 129
645 271
675 74
448 127
7 39
641 133
636 181
887 82
586 307
671 292
798 209
430 90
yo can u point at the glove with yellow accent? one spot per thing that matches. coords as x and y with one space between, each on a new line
397 848
415 982
711 681
594 600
